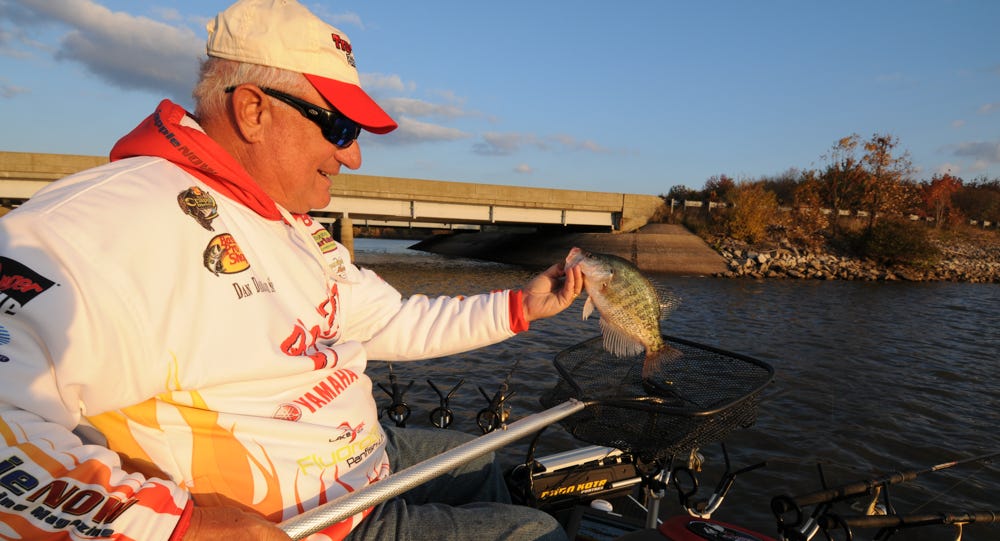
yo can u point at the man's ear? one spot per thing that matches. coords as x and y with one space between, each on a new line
251 112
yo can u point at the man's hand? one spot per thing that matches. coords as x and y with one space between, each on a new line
551 292
231 523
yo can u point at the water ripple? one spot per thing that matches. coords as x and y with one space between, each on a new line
869 377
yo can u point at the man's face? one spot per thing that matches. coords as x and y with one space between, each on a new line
297 159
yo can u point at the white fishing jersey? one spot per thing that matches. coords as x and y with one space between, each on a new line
217 342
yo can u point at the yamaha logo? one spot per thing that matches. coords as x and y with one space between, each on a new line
288 412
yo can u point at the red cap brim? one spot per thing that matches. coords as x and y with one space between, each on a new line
353 102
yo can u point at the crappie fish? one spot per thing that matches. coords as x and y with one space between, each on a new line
629 306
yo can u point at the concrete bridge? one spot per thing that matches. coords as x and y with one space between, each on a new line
374 200
588 217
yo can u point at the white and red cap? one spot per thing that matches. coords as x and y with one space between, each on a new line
284 34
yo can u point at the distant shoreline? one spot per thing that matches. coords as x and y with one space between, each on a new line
662 248
672 249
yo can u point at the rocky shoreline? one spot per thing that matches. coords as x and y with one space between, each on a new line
672 249
959 262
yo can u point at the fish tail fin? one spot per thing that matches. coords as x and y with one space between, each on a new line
656 360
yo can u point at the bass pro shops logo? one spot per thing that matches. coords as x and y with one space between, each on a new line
224 256
19 285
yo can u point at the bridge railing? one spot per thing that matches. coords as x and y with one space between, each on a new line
395 199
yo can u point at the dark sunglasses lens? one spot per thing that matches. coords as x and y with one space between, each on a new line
341 132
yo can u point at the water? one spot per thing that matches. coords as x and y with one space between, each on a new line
870 378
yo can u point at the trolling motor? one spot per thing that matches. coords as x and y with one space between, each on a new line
584 488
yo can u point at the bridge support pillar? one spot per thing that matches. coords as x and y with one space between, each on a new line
343 233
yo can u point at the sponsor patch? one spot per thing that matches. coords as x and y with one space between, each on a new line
337 266
224 256
200 205
324 240
19 285
62 504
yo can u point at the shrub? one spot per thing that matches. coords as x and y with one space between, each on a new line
897 242
754 211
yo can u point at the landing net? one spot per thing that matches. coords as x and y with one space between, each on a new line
696 399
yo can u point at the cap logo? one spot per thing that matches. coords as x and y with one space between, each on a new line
345 46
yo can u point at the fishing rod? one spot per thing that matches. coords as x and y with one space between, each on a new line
802 528
890 524
784 504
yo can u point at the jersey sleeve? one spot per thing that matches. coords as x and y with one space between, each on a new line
53 485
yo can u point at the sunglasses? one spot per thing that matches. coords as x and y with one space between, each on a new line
336 128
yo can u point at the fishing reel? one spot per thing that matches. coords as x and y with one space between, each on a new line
496 414
873 506
685 481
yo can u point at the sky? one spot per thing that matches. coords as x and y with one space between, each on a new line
627 97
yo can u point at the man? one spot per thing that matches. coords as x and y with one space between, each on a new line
183 349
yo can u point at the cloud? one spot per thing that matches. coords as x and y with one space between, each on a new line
340 20
15 39
957 123
505 144
376 82
9 91
168 14
9 42
502 144
128 51
573 143
414 131
989 108
983 152
524 169
419 108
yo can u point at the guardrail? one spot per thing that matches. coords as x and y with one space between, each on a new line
685 204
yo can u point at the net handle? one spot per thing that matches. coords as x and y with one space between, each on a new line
348 505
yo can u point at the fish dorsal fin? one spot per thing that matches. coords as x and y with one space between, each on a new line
588 307
619 343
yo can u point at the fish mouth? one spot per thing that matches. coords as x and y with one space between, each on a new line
575 256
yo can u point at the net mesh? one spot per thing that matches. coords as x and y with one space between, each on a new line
701 395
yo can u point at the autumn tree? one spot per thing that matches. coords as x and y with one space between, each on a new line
718 188
937 197
809 221
979 199
784 185
680 193
842 182
886 191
